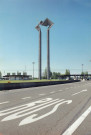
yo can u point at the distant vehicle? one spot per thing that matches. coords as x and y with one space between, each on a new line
87 78
67 78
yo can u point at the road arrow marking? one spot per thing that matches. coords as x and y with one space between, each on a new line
32 118
28 112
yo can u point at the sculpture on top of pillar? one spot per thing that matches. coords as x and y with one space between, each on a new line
48 23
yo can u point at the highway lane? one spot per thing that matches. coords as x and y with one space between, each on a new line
48 110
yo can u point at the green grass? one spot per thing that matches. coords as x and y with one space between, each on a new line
23 81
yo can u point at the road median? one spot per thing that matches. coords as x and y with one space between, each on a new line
9 86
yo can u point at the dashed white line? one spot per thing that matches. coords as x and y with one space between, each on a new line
42 94
79 92
52 92
60 90
4 102
77 123
26 97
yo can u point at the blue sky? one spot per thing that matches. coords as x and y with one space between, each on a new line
70 36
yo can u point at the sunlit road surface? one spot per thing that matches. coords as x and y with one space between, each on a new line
63 109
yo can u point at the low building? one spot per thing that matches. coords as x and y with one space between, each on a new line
17 77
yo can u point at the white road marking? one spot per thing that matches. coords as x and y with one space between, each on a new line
24 112
52 92
4 102
26 97
25 106
32 118
60 90
42 94
77 123
79 92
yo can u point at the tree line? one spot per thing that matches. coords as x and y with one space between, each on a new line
55 75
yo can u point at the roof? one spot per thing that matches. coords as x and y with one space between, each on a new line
16 76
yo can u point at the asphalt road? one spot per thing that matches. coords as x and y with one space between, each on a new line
63 109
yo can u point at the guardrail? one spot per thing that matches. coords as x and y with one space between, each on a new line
9 86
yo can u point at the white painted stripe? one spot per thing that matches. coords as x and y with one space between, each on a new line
77 123
42 94
60 90
4 102
26 97
52 92
79 92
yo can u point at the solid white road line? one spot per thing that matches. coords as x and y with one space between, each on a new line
77 123
79 92
4 102
26 97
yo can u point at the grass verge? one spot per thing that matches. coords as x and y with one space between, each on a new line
23 81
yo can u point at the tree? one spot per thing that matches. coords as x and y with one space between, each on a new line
56 75
84 74
67 72
45 74
0 74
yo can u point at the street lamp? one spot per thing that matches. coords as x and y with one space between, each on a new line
48 23
33 69
82 71
82 68
39 72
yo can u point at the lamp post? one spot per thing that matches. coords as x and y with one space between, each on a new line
39 60
82 68
33 69
82 71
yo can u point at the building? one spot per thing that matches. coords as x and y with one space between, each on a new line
17 77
